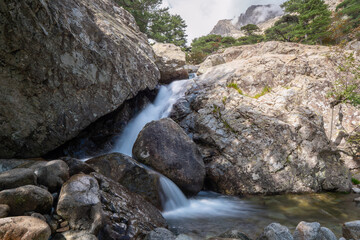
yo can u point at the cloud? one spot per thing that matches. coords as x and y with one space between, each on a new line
202 15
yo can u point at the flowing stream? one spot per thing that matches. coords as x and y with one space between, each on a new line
210 214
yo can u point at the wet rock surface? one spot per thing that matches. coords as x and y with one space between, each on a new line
126 215
351 230
27 198
79 203
166 148
51 174
77 166
159 234
16 178
275 231
126 171
92 56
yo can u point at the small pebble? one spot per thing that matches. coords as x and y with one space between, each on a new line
64 229
64 224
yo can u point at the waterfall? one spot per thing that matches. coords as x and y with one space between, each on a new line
172 197
161 108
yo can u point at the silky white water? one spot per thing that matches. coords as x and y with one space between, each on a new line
172 197
175 204
161 108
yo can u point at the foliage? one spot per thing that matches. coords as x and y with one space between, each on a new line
264 91
236 87
306 21
206 45
283 29
157 23
355 181
250 29
350 8
167 28
252 39
347 88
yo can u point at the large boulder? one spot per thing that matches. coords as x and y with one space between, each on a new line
51 174
312 231
276 231
77 166
160 234
16 178
351 230
166 148
74 235
258 121
64 65
27 198
126 171
23 227
171 62
126 215
79 203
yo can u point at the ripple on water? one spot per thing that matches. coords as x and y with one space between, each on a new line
210 214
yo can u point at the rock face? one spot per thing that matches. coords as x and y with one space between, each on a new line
23 228
170 61
255 141
27 198
16 178
126 171
255 14
79 203
64 65
126 215
4 210
166 148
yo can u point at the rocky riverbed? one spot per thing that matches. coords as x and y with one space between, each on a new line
256 122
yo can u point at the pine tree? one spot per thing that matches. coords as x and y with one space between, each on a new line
313 18
250 29
157 23
350 8
165 27
283 29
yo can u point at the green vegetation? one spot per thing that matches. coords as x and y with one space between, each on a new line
350 8
236 87
355 181
264 91
305 21
283 29
206 45
157 23
347 88
250 29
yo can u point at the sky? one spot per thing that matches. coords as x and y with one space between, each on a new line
202 15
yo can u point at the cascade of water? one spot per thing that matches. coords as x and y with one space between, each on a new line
161 108
172 196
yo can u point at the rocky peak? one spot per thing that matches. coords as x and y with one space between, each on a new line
255 14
